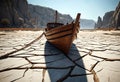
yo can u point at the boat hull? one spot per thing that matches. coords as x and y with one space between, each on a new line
63 36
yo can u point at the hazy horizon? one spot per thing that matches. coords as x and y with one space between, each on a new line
89 9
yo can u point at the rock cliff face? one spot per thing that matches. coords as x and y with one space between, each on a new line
18 13
115 20
99 23
14 13
106 19
87 24
110 19
43 15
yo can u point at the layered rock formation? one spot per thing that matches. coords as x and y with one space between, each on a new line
110 19
14 13
43 15
18 13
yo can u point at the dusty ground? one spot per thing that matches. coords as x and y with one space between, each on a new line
25 56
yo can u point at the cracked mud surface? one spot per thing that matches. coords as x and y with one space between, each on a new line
26 56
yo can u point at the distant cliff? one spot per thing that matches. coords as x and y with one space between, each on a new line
99 23
106 20
43 15
110 19
87 24
18 13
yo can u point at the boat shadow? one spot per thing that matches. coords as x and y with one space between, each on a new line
64 68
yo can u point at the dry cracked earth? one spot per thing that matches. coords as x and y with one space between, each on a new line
26 56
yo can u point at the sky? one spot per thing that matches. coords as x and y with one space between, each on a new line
89 9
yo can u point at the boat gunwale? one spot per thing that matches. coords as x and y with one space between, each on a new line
59 28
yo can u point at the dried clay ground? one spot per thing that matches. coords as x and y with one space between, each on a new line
26 56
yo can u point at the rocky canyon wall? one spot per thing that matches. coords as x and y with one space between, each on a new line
110 19
14 13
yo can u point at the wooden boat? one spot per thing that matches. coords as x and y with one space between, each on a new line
62 36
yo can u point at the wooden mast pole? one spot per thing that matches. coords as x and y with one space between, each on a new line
56 16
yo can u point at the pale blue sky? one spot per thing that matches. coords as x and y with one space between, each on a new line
89 9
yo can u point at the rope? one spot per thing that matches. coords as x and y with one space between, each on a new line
27 45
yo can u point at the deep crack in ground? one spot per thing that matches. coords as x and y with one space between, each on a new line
82 62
